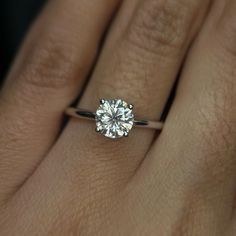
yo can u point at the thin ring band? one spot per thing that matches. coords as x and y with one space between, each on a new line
88 115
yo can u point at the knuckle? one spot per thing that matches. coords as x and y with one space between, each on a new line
162 27
50 66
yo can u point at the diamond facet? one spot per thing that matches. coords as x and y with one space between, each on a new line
114 118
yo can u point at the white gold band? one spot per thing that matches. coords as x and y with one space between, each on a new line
88 115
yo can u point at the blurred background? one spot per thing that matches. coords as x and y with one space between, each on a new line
15 19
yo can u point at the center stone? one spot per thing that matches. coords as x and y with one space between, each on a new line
114 118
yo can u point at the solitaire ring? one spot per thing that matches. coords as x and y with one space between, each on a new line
114 118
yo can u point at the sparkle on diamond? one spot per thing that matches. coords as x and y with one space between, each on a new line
114 118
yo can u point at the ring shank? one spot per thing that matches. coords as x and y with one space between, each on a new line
88 115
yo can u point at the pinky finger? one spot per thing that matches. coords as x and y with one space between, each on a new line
195 153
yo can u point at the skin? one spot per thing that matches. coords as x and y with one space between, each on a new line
69 180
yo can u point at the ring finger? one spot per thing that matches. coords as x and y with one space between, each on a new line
139 64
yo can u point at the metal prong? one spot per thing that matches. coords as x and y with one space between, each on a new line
97 130
126 135
131 106
102 101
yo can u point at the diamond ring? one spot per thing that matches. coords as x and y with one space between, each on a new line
114 118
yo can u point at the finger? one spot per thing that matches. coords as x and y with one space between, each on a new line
48 74
96 167
138 65
193 162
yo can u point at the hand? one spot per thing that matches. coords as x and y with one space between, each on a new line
70 180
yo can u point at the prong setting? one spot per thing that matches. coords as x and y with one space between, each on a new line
102 101
114 118
131 106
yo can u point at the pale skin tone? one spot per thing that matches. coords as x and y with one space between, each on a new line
69 180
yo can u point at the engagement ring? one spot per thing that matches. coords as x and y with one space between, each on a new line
114 118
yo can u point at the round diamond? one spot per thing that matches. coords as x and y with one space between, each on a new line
114 118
